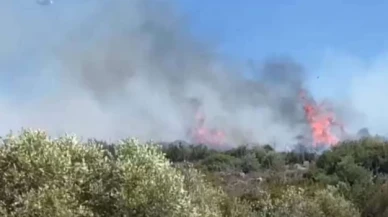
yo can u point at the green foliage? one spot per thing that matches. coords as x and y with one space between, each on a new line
215 202
333 204
348 171
273 160
59 177
221 162
199 152
238 152
241 158
370 153
296 202
299 158
62 177
377 205
259 153
268 148
181 152
177 153
249 163
353 166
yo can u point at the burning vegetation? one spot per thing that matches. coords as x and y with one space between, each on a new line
320 118
204 135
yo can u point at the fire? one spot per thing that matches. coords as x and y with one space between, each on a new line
204 135
321 122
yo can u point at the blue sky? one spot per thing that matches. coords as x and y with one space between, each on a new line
344 42
300 28
319 34
311 32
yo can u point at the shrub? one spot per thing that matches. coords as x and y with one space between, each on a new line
347 167
370 153
239 152
177 152
214 202
259 153
249 163
299 158
199 152
333 204
221 162
377 205
63 177
273 160
180 151
295 202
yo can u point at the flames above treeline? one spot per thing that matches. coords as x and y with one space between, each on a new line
319 117
204 135
322 121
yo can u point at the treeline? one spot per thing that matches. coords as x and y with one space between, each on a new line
41 176
244 158
357 169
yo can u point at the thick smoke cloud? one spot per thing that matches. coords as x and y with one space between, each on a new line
131 68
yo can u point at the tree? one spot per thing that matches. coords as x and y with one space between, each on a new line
64 177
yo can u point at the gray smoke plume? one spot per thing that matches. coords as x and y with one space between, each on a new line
131 68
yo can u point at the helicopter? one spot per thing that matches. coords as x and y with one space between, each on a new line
45 2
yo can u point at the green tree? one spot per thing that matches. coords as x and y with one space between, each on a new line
249 163
294 202
221 162
273 160
64 177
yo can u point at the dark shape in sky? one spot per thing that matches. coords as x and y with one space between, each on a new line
364 132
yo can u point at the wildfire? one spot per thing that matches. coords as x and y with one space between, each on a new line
204 135
321 122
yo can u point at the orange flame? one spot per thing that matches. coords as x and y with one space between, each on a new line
321 122
204 135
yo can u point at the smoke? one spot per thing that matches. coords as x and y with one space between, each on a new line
130 68
361 85
368 91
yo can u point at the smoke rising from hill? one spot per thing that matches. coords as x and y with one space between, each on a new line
148 66
131 68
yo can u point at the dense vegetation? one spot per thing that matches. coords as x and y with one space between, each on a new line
41 176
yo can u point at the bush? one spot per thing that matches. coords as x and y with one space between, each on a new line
295 202
42 176
299 158
177 152
215 202
221 162
333 204
353 167
370 153
249 163
273 160
62 177
180 151
377 205
199 152
239 152
259 153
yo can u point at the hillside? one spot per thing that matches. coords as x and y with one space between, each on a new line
41 176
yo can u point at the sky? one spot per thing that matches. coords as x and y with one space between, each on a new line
318 34
314 33
341 44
